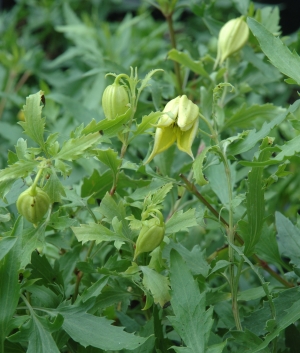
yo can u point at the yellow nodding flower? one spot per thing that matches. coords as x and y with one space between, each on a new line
179 122
232 37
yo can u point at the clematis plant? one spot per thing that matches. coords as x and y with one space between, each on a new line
179 122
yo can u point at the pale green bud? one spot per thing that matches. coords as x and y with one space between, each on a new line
114 101
187 113
232 37
150 237
33 204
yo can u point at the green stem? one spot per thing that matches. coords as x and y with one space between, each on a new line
235 293
230 235
192 188
122 153
169 19
88 254
222 100
36 179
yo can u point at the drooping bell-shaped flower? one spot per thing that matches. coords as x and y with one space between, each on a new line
179 121
232 37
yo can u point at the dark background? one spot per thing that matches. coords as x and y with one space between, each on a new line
289 12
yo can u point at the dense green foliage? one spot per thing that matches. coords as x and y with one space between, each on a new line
146 247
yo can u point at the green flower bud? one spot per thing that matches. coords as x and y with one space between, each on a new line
232 37
33 203
150 237
114 101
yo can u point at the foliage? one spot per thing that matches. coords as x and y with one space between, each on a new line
218 264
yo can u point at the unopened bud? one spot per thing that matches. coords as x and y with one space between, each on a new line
232 37
150 237
33 204
114 101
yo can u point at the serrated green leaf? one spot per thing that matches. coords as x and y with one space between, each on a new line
159 195
145 81
38 334
5 187
75 148
255 202
195 259
20 169
21 150
109 128
110 296
96 232
292 314
185 60
147 122
181 221
279 55
6 244
45 295
61 223
90 330
192 321
216 175
110 207
251 139
267 247
34 125
9 281
245 117
110 158
95 289
54 188
288 237
289 149
141 193
32 238
198 167
157 284
97 184
247 339
256 321
285 151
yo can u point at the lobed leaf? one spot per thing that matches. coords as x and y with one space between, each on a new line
280 56
157 284
34 125
90 330
75 148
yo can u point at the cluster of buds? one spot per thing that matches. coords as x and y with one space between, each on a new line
33 204
232 37
179 122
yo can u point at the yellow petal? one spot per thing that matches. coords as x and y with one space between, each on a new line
164 138
171 109
165 120
185 138
172 106
187 113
